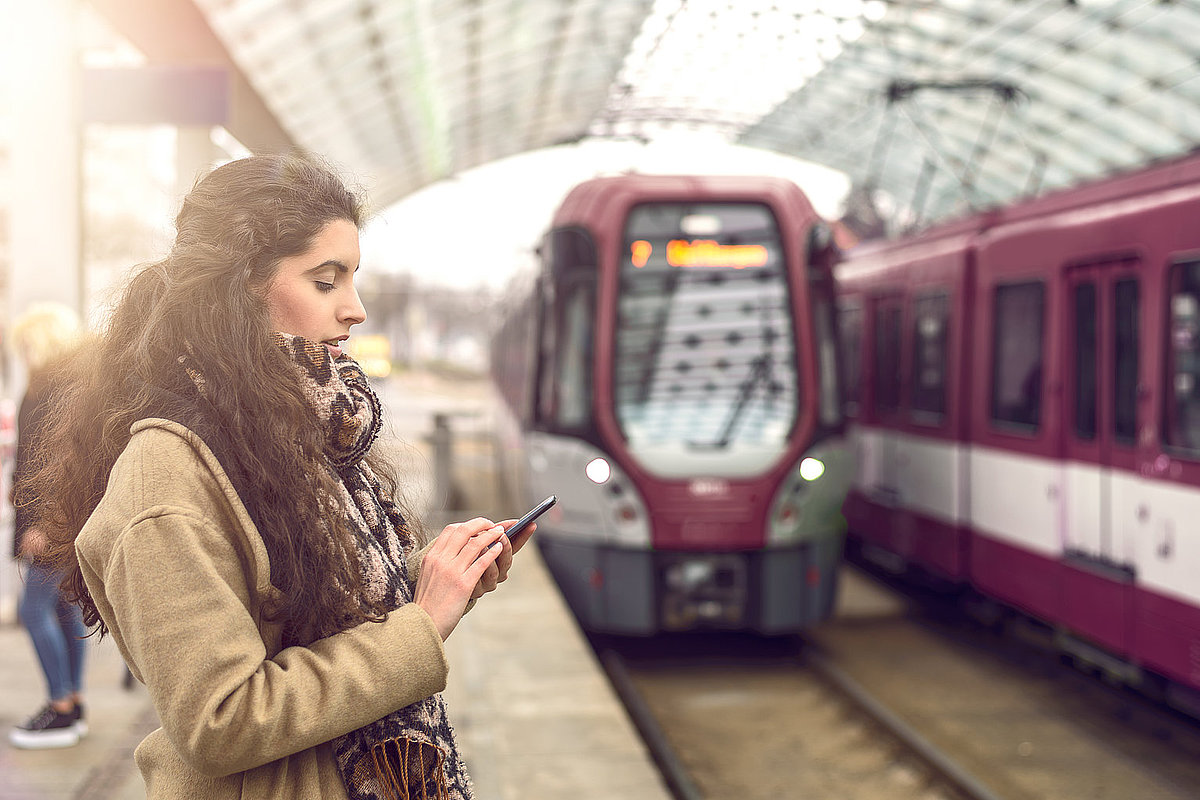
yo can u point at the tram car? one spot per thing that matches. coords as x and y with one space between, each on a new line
674 378
1023 396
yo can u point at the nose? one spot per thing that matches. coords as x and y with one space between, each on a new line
353 312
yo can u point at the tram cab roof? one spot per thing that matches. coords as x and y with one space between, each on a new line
598 198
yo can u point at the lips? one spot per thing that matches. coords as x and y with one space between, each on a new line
335 346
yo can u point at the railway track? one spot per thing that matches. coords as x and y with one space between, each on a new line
728 743
886 701
897 699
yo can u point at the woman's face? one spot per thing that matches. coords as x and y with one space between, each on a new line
313 295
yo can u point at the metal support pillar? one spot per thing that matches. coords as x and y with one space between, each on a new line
442 441
195 154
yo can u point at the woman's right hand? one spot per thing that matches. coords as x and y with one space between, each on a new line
452 567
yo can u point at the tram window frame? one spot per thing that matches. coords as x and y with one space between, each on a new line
1012 322
1182 335
568 296
850 332
888 374
927 403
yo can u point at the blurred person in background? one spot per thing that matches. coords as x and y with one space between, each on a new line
43 337
228 522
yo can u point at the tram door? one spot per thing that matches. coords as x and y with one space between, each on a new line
1100 437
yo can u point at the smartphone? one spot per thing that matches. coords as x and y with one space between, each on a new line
534 513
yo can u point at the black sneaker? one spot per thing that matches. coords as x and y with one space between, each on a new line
48 728
81 726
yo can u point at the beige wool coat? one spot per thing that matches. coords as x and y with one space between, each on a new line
180 575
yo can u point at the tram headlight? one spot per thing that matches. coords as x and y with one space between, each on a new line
598 471
812 468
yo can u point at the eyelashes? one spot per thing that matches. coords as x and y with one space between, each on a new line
324 286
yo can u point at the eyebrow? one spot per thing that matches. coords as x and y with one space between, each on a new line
333 262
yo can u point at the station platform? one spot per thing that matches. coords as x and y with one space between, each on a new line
535 715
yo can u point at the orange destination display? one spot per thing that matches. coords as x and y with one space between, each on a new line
702 253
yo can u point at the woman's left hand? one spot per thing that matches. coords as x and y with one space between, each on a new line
497 572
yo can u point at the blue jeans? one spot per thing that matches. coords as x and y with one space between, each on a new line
57 630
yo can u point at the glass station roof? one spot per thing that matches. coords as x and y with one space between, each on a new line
932 108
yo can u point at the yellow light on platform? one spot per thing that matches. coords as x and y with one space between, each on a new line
373 352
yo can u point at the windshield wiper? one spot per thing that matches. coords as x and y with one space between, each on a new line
761 372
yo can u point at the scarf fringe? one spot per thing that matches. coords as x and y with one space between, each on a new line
391 762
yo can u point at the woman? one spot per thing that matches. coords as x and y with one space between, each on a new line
228 524
42 336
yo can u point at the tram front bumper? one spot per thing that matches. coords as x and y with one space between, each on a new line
643 592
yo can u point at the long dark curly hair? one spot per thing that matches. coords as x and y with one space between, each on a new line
208 298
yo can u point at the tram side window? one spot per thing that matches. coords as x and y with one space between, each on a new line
1126 348
1181 428
929 355
1018 321
850 327
547 398
575 347
832 406
1086 380
887 358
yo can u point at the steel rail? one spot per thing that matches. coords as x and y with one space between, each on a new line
675 775
929 754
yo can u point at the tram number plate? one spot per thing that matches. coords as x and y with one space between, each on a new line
705 530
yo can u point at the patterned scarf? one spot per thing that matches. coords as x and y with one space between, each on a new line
410 754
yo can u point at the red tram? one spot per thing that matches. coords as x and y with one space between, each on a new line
674 380
1023 389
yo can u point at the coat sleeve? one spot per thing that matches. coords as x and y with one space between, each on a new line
181 606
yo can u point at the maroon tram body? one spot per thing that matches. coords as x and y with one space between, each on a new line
1024 404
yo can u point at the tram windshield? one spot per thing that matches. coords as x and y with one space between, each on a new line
705 365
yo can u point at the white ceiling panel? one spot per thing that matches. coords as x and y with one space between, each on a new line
943 106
